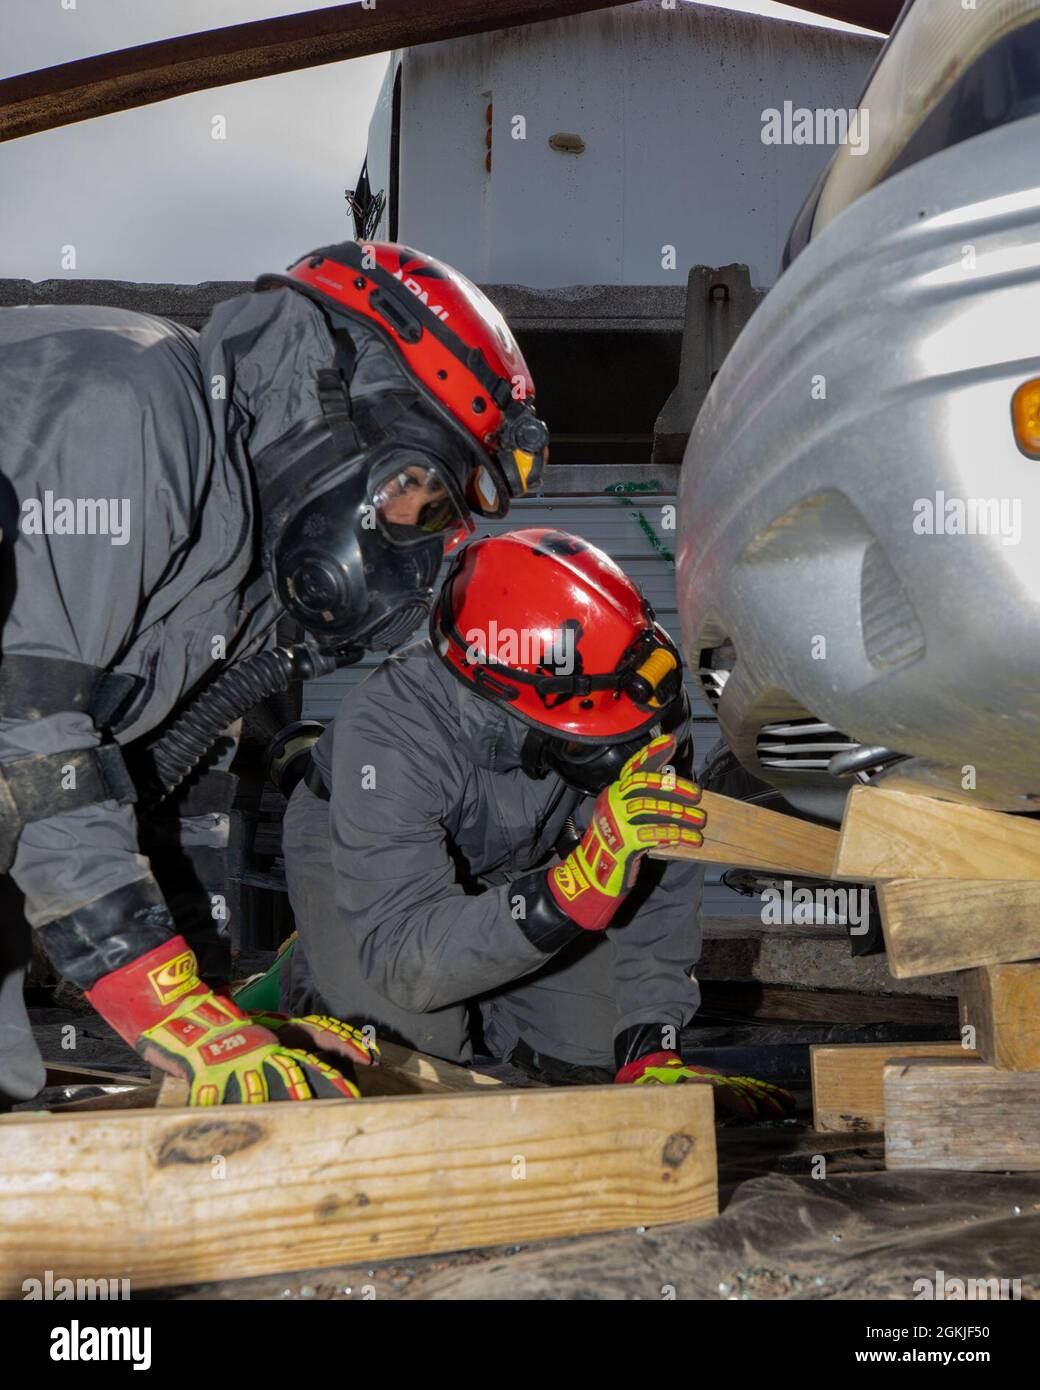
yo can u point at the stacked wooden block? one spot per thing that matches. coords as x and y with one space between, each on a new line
959 891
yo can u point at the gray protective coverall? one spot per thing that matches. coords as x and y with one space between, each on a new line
400 885
99 404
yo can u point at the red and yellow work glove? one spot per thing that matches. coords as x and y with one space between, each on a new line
318 1032
647 806
159 1005
741 1096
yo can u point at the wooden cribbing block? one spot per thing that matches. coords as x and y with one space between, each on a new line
961 1114
933 925
167 1197
404 1071
124 1098
173 1092
890 834
1002 1004
748 836
848 1083
61 1074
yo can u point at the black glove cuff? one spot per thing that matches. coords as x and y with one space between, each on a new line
110 932
546 927
641 1040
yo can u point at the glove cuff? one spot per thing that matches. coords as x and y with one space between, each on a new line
632 1071
141 994
641 1039
108 933
577 897
545 925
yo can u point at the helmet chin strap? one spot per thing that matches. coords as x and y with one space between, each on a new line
532 755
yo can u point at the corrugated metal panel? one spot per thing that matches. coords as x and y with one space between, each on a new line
636 533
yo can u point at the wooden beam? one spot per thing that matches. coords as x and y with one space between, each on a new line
1002 1004
890 834
407 1073
62 1074
816 964
741 834
402 1073
167 1197
172 1093
430 1074
933 925
869 14
724 1000
959 1114
151 72
112 1098
848 1083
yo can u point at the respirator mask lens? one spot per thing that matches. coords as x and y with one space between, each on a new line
416 500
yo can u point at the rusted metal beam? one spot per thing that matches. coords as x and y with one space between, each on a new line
151 72
871 14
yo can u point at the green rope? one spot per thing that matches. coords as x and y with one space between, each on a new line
620 491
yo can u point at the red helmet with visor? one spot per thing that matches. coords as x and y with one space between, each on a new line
550 627
456 347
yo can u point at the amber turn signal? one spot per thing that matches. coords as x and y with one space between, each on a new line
1025 417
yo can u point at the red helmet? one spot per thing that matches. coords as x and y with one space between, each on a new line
455 344
551 627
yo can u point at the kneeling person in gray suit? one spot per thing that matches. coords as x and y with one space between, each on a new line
466 854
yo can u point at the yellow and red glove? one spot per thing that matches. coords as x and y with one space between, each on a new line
741 1096
647 806
320 1033
158 1004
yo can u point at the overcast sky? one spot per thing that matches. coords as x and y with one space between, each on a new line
148 194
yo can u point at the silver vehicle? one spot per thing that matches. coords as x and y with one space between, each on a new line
859 557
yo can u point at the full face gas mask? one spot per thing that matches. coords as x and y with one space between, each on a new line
353 531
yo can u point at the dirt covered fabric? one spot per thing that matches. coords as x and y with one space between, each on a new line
855 1236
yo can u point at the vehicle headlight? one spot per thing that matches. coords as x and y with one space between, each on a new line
918 78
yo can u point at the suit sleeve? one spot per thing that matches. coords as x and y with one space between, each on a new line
94 433
423 941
